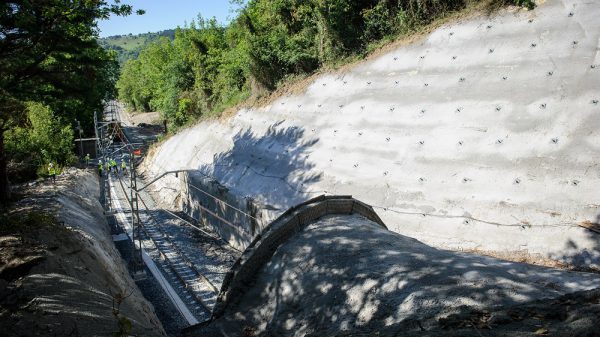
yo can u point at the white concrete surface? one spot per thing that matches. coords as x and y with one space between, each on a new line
484 135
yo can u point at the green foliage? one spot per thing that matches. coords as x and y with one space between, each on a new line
529 4
207 67
183 111
128 47
378 22
44 139
49 54
496 4
202 67
124 324
125 327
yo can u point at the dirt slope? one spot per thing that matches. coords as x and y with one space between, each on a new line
60 274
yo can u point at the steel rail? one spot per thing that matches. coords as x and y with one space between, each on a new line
170 263
177 249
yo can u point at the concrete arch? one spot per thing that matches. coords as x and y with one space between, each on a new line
329 266
277 232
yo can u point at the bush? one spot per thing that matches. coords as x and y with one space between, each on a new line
496 4
530 4
44 139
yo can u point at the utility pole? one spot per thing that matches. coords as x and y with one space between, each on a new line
112 111
104 183
105 132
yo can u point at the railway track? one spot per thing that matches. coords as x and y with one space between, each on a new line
199 287
191 258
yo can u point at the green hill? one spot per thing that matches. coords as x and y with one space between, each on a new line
129 46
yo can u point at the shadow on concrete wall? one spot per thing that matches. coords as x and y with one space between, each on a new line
274 165
582 258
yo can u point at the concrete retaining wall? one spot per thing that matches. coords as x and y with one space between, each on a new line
237 219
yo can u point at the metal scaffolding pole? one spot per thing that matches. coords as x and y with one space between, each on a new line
104 183
138 263
96 134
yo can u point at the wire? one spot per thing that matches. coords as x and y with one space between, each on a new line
192 225
207 210
184 257
221 201
174 247
206 193
472 218
326 192
199 189
158 279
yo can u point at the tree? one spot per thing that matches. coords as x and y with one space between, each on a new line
49 54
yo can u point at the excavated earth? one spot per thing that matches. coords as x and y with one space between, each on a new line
60 274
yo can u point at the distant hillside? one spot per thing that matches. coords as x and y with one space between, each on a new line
129 46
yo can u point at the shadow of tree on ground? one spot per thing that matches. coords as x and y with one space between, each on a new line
345 275
580 258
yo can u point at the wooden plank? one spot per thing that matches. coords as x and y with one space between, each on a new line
594 227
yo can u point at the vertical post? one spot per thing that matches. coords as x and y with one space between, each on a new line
135 223
96 142
106 175
80 140
106 181
132 196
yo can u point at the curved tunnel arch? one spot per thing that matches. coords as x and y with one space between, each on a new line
279 231
264 245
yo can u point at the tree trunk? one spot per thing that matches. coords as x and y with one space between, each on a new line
4 184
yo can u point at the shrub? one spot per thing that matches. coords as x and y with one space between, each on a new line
45 138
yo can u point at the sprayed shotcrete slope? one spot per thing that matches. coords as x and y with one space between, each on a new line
484 135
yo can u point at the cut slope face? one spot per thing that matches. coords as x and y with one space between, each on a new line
484 135
73 286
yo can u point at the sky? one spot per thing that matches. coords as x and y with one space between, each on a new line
165 14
